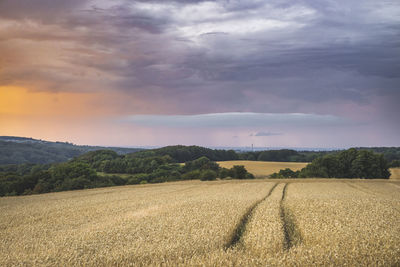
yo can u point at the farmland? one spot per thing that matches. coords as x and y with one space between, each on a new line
251 222
395 173
263 168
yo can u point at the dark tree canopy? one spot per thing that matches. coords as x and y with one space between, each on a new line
188 153
351 163
107 168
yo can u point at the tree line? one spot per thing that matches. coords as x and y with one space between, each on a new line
351 163
106 168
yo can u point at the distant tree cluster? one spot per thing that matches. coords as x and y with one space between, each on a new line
351 163
186 153
395 164
286 173
282 155
391 154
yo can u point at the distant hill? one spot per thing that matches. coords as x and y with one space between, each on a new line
19 150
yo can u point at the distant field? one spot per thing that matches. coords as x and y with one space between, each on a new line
395 173
263 168
220 223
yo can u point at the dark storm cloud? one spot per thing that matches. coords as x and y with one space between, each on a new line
374 58
123 18
210 56
38 9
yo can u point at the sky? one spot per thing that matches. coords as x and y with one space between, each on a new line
272 73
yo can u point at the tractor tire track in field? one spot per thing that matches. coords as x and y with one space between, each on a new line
368 191
373 190
364 190
396 185
364 187
292 234
241 226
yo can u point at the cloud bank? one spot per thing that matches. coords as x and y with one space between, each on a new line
236 119
266 134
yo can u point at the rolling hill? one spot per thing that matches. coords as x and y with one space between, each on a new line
19 150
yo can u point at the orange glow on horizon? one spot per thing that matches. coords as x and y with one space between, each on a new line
79 117
20 101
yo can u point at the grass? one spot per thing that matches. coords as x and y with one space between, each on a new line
263 168
220 223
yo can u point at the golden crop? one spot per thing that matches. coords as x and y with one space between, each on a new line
395 173
263 168
220 223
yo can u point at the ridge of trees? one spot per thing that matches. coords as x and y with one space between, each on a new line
184 153
107 168
18 150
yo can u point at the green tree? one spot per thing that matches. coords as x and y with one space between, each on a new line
208 175
369 165
239 171
224 173
351 163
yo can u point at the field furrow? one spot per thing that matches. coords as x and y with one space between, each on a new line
359 188
383 193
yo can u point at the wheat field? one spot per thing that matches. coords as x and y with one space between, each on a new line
395 173
263 168
220 223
